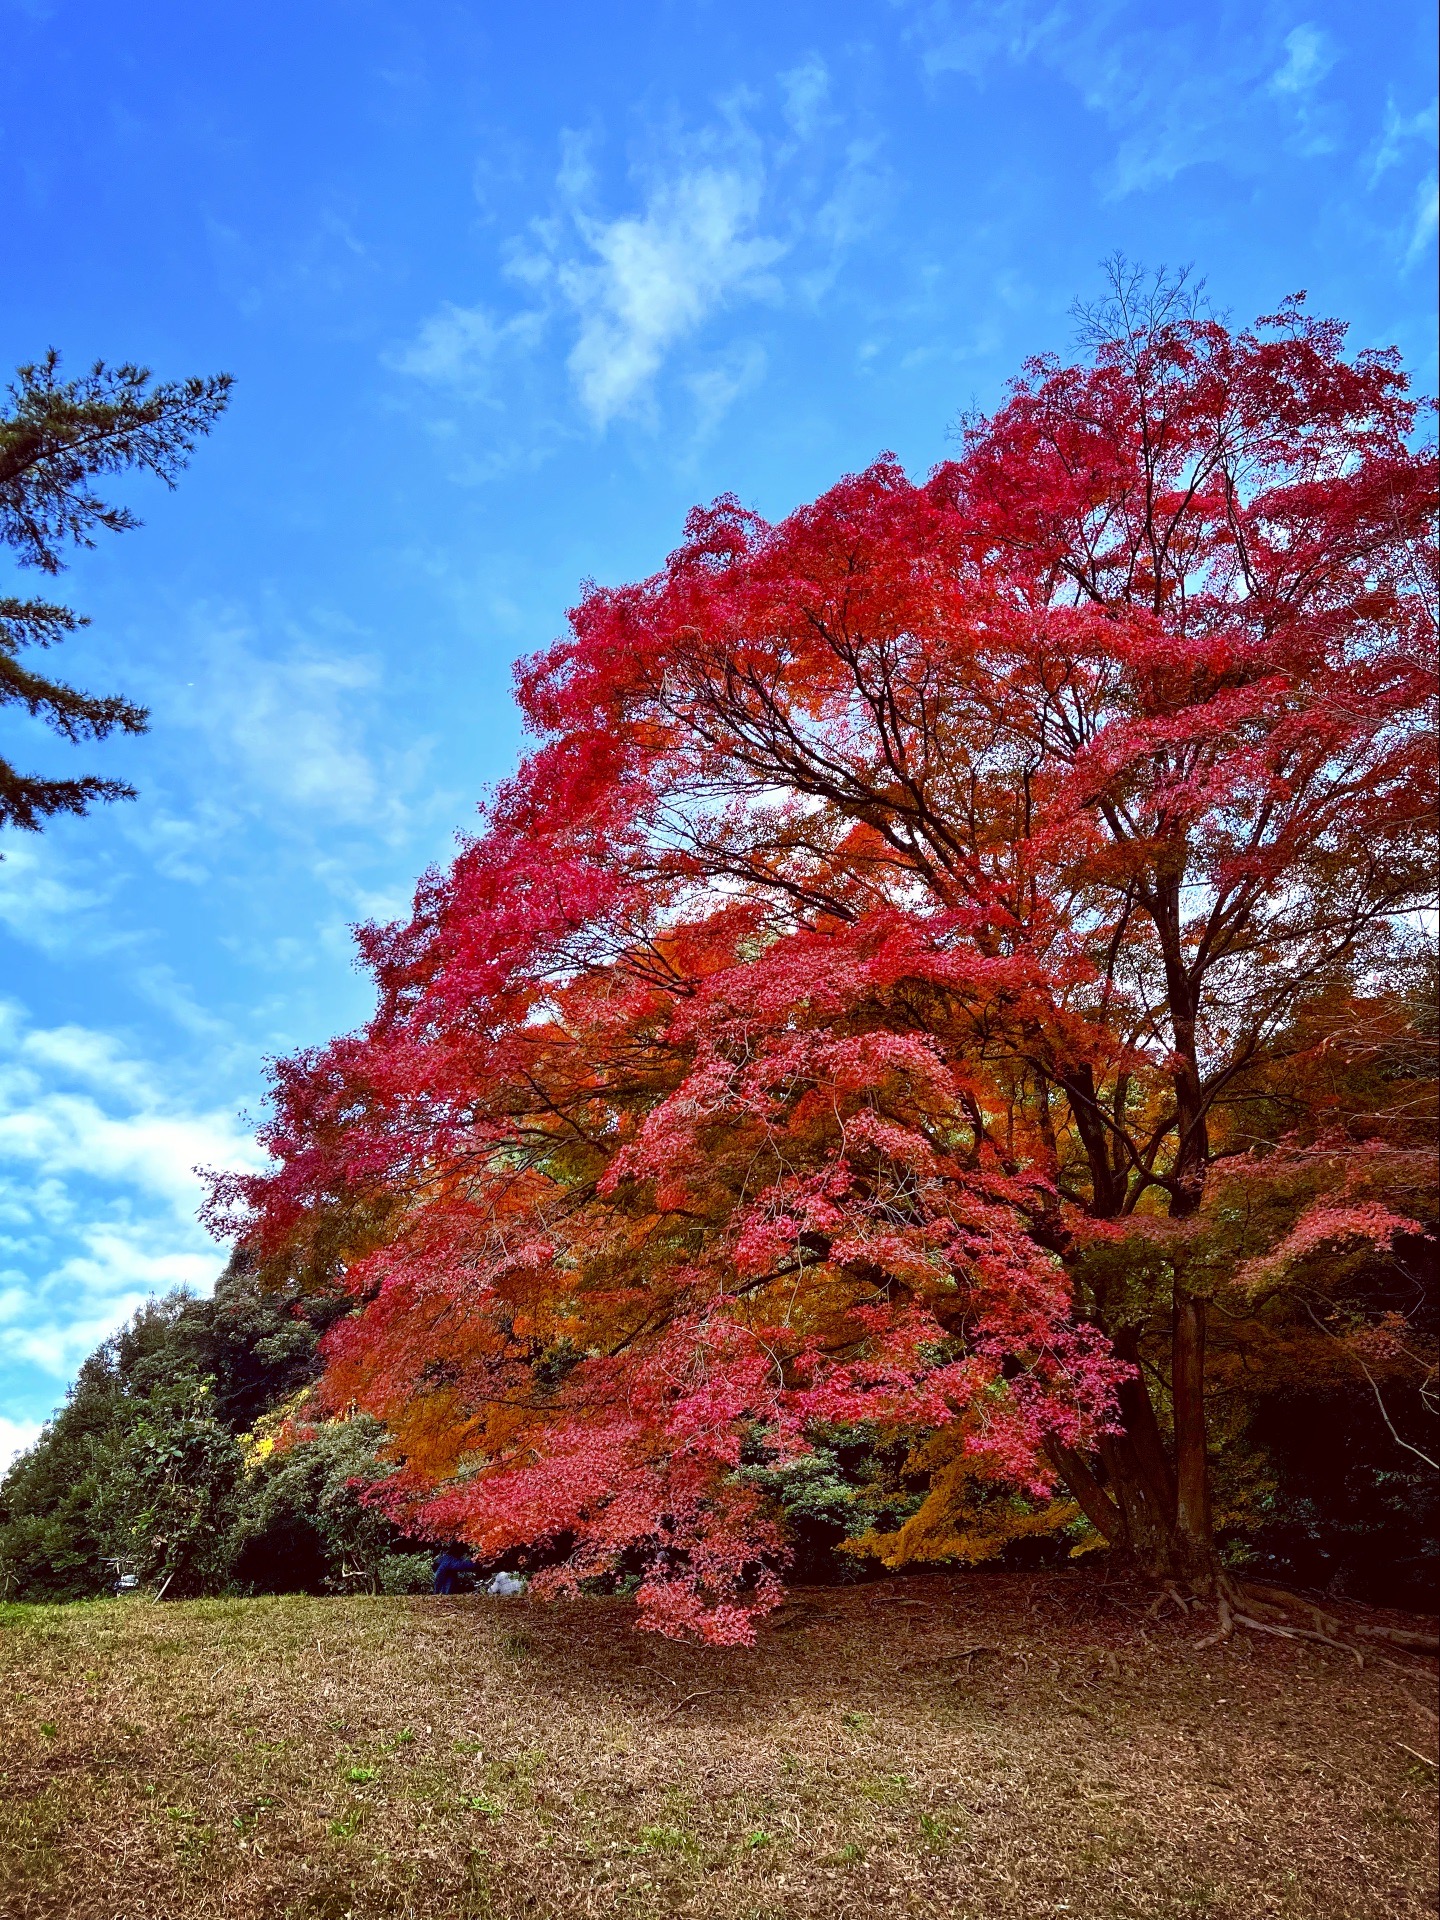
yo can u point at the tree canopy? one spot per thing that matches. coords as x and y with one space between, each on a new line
163 1464
56 436
905 991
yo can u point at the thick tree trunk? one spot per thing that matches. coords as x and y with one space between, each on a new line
1156 1498
1142 1429
1149 1538
1194 1523
1154 1503
1155 1513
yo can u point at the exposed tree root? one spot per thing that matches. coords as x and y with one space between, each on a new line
1226 1627
1264 1598
1401 1637
1299 1633
1170 1593
1243 1603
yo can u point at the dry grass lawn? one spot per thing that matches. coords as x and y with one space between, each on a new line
986 1747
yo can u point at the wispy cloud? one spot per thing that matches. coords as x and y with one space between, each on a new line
647 281
1425 220
806 91
721 219
45 903
1399 132
15 1437
717 387
286 713
74 1100
1405 138
463 347
970 38
1309 56
1177 92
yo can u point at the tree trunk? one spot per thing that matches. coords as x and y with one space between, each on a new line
1142 1429
1154 1504
1149 1533
1194 1523
1092 1499
1154 1513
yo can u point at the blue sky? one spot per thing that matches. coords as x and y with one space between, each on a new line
505 290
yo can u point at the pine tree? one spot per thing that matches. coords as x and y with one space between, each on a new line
55 436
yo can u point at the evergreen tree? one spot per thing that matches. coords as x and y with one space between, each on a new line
55 436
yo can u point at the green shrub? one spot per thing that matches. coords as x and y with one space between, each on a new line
406 1572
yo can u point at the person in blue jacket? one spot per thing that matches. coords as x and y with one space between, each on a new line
450 1568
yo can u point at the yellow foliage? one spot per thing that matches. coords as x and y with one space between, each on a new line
270 1431
967 1515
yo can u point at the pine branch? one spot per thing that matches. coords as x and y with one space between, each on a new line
55 434
28 802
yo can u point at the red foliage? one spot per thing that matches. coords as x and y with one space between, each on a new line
891 891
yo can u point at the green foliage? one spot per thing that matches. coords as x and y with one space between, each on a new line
304 1525
147 1468
405 1572
50 1544
166 1480
852 1484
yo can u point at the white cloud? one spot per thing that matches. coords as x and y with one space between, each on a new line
717 387
714 216
1400 133
651 279
78 1053
41 904
970 38
15 1437
287 722
98 1190
1426 219
291 730
806 91
150 1152
56 1346
1308 58
461 347
1397 133
163 987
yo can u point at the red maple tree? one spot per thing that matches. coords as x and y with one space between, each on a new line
842 1013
